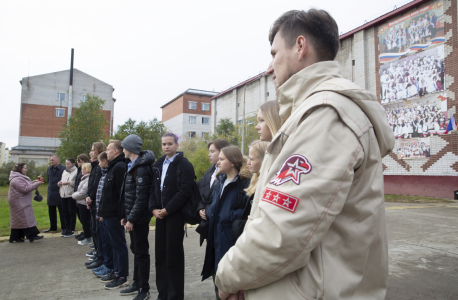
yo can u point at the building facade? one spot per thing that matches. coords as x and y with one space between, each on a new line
189 114
407 57
242 100
4 154
45 104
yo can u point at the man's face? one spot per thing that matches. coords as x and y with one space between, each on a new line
54 161
112 152
282 60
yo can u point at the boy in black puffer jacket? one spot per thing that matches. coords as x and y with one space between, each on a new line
135 195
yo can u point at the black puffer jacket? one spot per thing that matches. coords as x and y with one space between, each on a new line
205 189
137 188
172 198
110 202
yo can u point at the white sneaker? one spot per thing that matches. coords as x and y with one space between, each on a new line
87 241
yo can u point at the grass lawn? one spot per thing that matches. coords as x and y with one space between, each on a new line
415 199
40 209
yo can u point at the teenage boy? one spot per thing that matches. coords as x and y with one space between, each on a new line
94 178
135 196
110 213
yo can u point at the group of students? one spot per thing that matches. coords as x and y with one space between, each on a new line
121 187
420 31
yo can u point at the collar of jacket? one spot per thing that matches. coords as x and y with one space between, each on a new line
144 158
71 169
85 176
175 161
117 159
94 164
299 87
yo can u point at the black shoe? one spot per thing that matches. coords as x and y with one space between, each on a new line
68 234
38 237
91 254
109 277
142 295
17 241
131 290
92 246
79 235
81 238
64 232
50 229
94 264
117 282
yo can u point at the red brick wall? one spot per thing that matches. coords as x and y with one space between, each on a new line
172 109
199 100
41 121
423 186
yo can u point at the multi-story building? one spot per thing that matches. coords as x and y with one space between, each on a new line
242 100
4 154
408 58
189 113
45 104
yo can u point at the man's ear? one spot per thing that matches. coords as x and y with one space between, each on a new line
301 47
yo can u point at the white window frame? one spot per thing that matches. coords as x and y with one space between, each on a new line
58 94
190 103
192 134
60 109
203 104
195 120
83 97
208 123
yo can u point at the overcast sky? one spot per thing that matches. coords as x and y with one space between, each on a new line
149 51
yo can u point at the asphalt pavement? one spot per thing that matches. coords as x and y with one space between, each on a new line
423 261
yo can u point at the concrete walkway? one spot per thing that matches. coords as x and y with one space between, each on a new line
423 261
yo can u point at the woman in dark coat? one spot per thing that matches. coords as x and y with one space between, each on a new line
206 183
228 201
22 218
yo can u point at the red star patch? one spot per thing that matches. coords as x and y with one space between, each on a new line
280 199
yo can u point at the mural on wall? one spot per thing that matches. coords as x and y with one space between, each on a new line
412 76
419 117
413 148
416 30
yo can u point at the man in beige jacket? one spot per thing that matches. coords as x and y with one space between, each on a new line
317 225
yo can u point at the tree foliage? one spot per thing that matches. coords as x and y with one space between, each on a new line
32 171
228 131
196 151
251 134
150 133
84 127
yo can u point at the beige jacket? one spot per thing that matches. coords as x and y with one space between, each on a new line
66 191
317 226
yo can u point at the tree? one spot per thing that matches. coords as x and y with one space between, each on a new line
251 134
84 127
228 131
150 133
196 151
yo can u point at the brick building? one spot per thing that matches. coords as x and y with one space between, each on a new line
189 113
236 102
408 58
44 109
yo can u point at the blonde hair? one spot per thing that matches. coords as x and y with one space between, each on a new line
87 167
260 147
117 145
271 113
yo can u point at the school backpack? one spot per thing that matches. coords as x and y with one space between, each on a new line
189 209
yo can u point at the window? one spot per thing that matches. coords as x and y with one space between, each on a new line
205 120
191 134
192 120
206 106
83 98
204 135
60 96
60 112
192 105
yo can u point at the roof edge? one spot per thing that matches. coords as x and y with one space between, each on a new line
239 85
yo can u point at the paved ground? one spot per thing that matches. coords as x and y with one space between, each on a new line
423 252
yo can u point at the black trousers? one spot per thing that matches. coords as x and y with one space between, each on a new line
69 211
78 213
85 219
96 237
53 217
170 257
140 248
29 232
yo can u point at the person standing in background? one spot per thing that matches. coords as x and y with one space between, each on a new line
67 187
54 201
80 160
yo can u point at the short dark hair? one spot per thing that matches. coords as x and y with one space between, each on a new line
18 167
219 144
175 137
82 158
71 160
102 156
316 25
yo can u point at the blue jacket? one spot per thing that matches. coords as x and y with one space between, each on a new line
223 211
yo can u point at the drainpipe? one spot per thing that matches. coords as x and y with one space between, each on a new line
70 90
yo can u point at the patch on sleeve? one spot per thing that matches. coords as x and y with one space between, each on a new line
140 180
280 199
292 169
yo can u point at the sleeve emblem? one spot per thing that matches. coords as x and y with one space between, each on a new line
292 169
280 199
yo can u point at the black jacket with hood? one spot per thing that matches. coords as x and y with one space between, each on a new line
137 188
110 203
